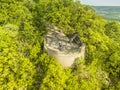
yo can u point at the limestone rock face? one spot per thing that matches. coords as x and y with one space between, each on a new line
61 47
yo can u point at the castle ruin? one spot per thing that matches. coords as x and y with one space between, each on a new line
63 48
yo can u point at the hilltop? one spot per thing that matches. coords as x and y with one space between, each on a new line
24 63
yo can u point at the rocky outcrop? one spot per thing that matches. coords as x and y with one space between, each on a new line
61 47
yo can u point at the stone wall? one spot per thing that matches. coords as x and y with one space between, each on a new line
65 59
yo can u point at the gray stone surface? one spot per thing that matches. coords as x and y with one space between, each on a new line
58 45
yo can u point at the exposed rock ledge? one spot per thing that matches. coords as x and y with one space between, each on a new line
62 48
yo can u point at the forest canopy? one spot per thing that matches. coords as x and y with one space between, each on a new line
24 65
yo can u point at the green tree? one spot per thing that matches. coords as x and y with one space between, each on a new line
53 75
16 71
111 64
90 77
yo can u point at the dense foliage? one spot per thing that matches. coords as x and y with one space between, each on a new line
24 65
